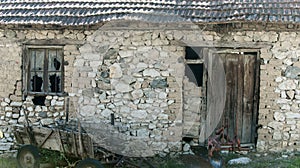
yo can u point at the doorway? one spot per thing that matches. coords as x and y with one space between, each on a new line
237 106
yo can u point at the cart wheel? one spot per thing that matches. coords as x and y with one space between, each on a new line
28 157
89 163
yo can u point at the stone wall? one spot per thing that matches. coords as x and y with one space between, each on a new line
130 76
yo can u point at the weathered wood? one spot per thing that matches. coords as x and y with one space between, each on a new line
52 43
59 140
215 91
249 82
43 142
198 61
240 89
225 44
255 97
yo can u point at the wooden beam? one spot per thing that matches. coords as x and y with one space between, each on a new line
224 44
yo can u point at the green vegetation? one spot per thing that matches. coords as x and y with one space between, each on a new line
261 161
8 162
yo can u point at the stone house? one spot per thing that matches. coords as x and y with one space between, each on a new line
161 71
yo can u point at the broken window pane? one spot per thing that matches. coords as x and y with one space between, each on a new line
36 81
54 82
37 60
55 60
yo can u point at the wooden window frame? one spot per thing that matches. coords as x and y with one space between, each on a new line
26 71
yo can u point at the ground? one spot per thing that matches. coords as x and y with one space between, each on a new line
259 160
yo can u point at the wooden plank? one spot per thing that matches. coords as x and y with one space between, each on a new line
215 91
235 45
255 97
46 138
249 65
240 95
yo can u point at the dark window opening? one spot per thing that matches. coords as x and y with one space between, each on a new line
195 73
194 69
187 139
193 53
45 71
39 100
251 53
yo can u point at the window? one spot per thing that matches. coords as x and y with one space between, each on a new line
44 71
194 62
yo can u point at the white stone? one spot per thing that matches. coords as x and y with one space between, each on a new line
278 79
276 125
16 104
163 116
140 114
56 114
101 106
106 113
285 107
141 66
29 108
79 62
5 146
38 108
291 94
142 133
8 109
295 137
162 95
158 145
152 126
287 85
7 100
3 104
277 136
21 119
151 73
88 110
115 71
241 160
278 116
127 53
47 121
137 94
186 147
53 101
123 87
8 114
15 116
59 103
292 115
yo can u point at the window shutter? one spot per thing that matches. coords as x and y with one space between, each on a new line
25 69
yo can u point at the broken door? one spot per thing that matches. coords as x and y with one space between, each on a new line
240 109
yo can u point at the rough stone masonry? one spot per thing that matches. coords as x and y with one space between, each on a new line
135 76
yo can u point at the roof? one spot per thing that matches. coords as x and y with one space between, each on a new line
88 12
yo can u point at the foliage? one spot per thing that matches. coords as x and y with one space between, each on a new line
8 162
171 163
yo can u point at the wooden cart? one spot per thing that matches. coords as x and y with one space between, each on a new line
72 143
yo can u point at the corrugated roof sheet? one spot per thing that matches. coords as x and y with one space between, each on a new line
87 12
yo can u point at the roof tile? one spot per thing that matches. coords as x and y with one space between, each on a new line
86 12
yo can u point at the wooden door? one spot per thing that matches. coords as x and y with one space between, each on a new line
239 111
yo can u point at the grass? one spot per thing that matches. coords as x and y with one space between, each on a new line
263 161
8 162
